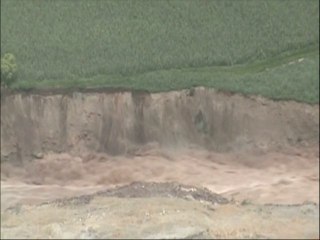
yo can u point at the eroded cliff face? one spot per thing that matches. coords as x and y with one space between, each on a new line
120 122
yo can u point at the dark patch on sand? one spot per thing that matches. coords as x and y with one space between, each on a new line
147 190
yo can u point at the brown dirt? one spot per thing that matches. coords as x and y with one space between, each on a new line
161 218
121 123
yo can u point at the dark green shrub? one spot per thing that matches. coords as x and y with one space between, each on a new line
8 69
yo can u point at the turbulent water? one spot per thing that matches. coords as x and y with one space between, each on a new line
265 177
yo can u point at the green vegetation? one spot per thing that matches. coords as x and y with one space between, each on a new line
252 47
8 69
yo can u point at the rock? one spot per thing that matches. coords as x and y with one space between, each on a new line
149 190
38 155
89 233
179 232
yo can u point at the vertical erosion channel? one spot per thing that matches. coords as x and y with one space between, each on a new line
139 101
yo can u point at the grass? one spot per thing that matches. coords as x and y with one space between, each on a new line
240 46
288 79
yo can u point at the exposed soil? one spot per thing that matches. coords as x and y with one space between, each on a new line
122 123
181 183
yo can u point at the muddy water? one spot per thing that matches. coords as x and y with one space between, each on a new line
263 177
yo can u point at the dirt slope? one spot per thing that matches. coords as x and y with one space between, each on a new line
120 122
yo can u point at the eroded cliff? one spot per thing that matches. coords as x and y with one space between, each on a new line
119 122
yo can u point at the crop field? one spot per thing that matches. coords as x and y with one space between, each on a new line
269 48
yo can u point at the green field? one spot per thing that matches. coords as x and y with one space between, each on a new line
266 47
